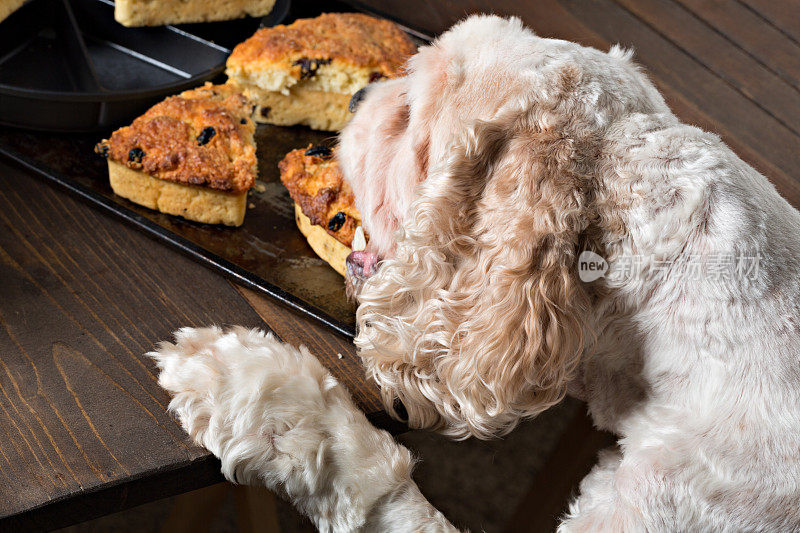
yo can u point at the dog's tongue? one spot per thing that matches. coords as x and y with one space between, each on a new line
361 264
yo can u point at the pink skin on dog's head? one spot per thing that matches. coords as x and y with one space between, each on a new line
376 167
374 157
404 126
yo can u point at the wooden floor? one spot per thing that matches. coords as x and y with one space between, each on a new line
108 294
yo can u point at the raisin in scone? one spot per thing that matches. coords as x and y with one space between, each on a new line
324 204
160 12
192 155
305 73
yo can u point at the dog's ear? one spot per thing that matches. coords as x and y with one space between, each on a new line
477 320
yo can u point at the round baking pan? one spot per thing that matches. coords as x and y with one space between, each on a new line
67 65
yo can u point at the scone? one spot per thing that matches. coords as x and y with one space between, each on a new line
9 6
192 155
160 12
324 204
305 73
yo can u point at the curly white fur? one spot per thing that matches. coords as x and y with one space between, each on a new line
275 417
481 176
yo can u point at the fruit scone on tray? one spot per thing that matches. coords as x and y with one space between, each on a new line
306 72
324 204
192 155
160 12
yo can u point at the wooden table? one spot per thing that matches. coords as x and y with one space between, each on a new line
83 424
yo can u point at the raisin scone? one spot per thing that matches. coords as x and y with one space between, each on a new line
305 73
160 12
324 204
192 155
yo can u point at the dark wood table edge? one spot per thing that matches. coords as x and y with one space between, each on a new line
143 488
118 496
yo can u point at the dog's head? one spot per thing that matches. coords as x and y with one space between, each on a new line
475 178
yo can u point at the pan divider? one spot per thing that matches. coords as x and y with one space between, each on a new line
76 50
41 48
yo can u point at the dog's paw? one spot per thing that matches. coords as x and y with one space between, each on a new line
250 399
275 416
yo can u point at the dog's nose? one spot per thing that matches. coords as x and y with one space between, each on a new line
360 266
356 99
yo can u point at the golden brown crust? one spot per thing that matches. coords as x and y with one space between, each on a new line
316 184
353 39
201 137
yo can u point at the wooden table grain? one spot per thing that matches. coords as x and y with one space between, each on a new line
83 425
82 298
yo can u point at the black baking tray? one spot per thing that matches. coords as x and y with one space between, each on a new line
67 65
267 253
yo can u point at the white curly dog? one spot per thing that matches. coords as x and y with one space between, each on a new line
489 177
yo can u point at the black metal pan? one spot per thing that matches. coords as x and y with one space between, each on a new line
67 65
